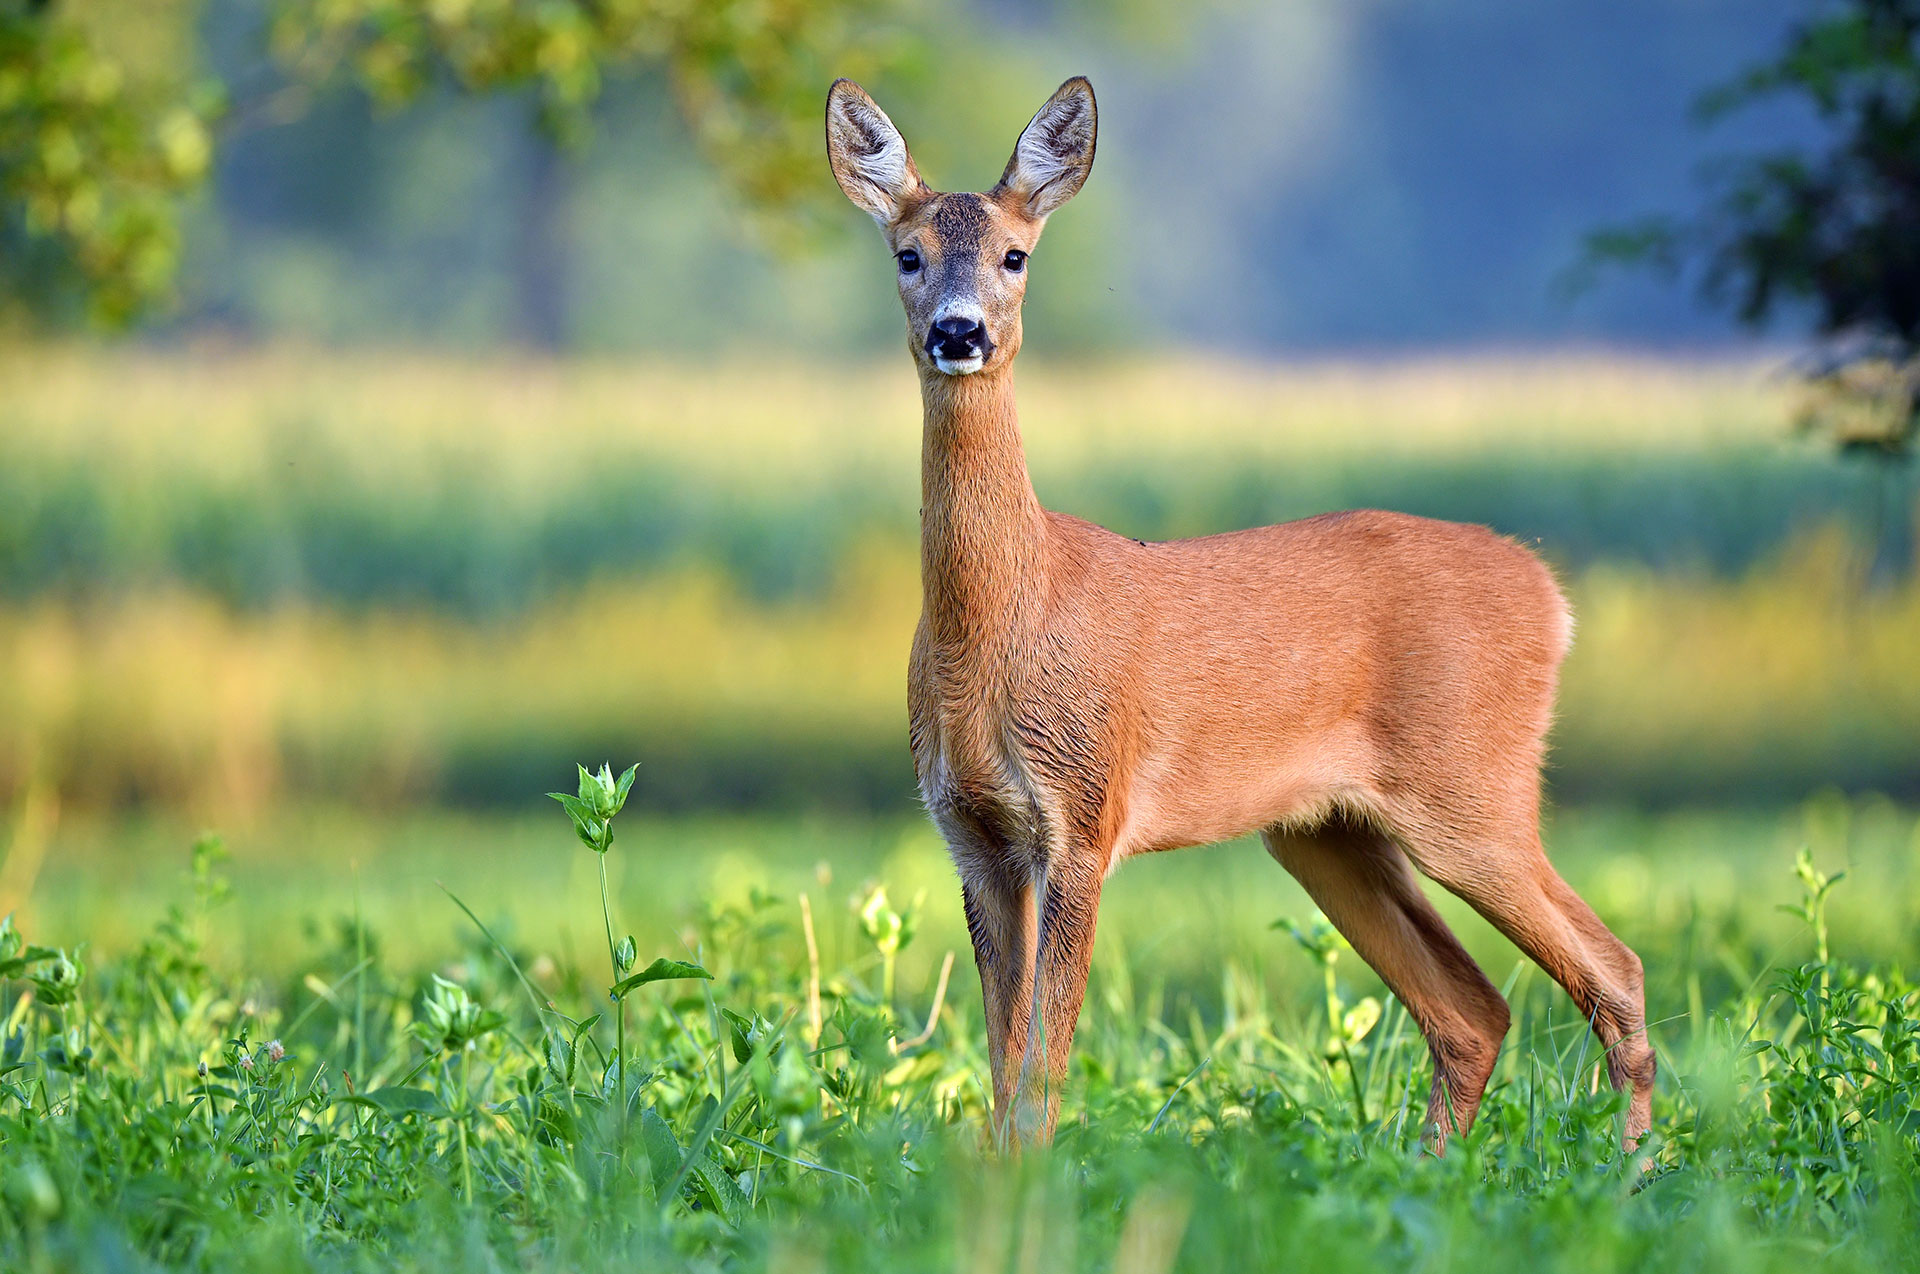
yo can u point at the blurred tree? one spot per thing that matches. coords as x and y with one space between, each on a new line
95 151
93 163
748 76
1833 230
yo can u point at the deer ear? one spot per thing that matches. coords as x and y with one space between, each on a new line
1055 151
868 155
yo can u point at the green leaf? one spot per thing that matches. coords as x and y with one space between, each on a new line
397 1102
577 808
723 1195
749 1035
661 970
559 1120
560 1054
707 1178
740 1030
663 1150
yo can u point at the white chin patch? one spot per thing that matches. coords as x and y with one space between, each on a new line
959 366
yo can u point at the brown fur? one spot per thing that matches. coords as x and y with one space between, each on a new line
1368 690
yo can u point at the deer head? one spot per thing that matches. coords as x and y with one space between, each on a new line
961 258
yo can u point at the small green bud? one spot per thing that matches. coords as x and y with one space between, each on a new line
57 981
601 796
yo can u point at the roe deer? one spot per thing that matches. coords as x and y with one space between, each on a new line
1369 691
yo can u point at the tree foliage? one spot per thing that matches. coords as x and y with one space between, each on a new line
1831 229
92 166
748 74
95 161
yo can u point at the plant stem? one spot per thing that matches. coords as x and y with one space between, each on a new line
359 980
619 1005
466 1110
213 1126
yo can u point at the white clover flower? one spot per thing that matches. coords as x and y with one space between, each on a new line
274 1051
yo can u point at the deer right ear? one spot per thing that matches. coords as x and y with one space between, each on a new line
868 155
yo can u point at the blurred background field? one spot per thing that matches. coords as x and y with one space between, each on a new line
233 579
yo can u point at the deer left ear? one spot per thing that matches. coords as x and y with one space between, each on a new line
1055 151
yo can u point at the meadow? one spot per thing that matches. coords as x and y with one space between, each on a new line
783 1070
305 972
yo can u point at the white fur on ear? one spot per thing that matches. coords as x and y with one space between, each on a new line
1055 151
868 156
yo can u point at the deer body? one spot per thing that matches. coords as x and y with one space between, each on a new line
1369 691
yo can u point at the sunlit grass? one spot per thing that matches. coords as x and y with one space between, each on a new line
236 414
1679 686
410 1087
1689 875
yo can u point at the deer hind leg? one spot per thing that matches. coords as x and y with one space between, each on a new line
1363 883
1508 880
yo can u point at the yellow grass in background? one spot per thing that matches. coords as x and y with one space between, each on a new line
235 413
151 693
170 698
1788 671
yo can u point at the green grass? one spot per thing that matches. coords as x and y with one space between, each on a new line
1207 1125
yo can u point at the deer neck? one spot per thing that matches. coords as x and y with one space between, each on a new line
982 531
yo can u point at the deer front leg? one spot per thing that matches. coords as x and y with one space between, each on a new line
1001 922
1069 906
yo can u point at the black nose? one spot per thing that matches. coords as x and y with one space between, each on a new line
958 338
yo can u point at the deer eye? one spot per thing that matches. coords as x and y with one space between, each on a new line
1015 261
909 261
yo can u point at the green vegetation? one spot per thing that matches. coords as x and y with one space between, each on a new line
460 1101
